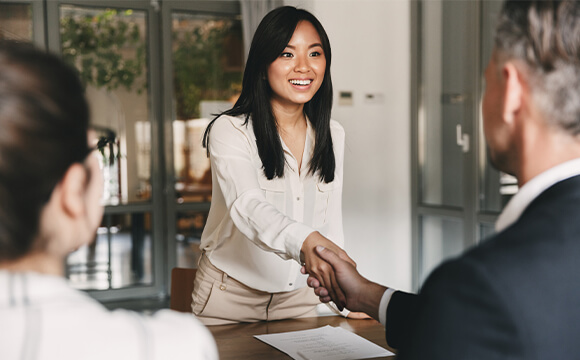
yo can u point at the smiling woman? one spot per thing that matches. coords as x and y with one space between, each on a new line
277 164
296 75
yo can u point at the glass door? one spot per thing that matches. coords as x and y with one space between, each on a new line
155 74
457 195
113 45
446 101
203 75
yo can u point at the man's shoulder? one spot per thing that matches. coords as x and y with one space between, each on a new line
560 202
550 218
536 252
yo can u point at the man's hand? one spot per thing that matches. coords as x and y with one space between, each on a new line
316 267
361 294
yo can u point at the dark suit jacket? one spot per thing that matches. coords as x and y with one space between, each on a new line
515 296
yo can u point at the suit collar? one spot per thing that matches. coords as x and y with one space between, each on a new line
532 189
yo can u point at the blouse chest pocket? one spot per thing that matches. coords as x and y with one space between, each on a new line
275 191
324 201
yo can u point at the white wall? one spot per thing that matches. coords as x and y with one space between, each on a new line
370 42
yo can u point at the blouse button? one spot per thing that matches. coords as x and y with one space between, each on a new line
222 287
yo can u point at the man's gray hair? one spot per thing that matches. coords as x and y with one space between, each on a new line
545 35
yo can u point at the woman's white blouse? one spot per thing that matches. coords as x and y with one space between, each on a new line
256 226
42 318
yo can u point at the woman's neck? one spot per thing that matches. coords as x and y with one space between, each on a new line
35 262
288 117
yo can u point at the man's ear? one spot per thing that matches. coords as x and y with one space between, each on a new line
72 189
513 91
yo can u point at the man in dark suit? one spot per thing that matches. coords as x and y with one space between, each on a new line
517 295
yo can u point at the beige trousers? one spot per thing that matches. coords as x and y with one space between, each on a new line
218 299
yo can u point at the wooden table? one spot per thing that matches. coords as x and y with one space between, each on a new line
237 341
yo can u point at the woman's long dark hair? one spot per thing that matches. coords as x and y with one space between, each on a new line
44 119
270 39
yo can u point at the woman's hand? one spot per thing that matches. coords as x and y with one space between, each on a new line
316 267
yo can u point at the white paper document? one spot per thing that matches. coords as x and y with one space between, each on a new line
324 343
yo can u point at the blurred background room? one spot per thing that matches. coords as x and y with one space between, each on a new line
407 76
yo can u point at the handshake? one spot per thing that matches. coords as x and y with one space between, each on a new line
333 276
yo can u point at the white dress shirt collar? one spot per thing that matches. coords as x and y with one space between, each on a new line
532 189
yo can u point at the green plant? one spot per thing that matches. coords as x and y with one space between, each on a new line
200 62
95 44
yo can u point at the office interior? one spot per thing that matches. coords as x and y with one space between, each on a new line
407 78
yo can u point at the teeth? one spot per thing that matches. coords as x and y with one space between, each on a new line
300 82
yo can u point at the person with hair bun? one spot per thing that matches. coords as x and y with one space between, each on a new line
50 192
277 167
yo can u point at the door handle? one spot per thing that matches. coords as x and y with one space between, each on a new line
462 139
